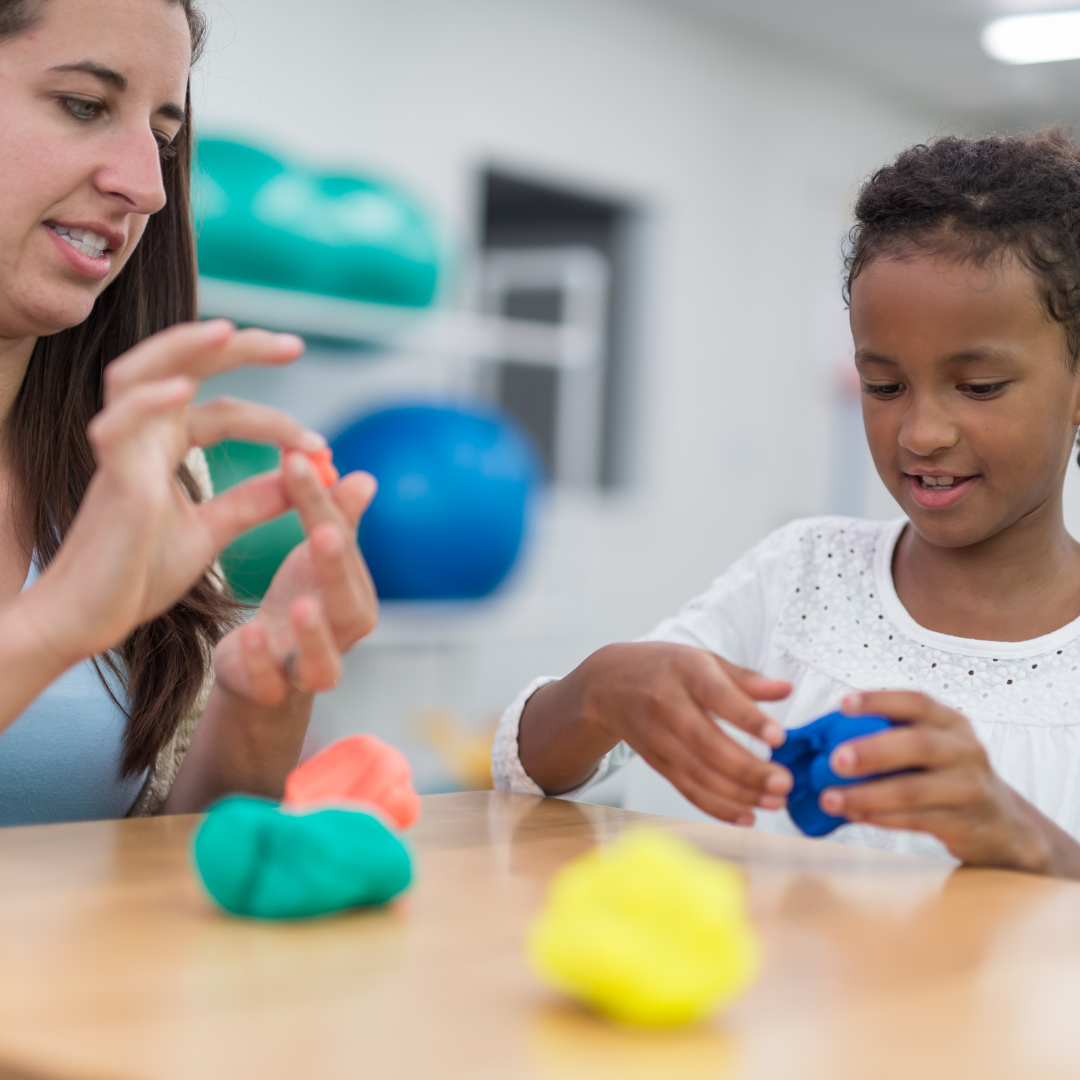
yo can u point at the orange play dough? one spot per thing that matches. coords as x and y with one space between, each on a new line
323 463
360 769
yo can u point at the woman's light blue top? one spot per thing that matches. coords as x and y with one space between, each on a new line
60 760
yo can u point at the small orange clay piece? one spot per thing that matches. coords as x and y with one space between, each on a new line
323 463
360 769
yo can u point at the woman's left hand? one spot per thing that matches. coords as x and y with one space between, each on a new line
955 795
319 604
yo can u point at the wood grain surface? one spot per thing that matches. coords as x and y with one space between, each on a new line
113 964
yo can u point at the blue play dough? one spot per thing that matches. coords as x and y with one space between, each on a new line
806 753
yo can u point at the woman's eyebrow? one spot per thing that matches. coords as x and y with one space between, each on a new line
117 82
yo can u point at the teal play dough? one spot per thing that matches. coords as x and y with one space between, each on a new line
256 859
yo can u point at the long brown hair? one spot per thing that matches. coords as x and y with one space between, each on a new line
163 663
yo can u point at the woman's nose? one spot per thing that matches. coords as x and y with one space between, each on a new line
133 174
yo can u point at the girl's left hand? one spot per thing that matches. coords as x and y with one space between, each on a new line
956 795
319 604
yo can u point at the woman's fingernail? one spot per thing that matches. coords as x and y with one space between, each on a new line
745 819
290 341
312 442
843 760
774 734
772 802
832 802
852 703
298 465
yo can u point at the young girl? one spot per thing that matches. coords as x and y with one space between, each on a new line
964 290
106 536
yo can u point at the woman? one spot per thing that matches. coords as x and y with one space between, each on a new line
106 542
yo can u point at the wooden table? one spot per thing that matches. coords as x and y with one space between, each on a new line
114 965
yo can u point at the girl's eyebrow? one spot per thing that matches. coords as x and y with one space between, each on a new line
864 357
117 82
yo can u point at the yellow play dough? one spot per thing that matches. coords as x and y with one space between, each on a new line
647 930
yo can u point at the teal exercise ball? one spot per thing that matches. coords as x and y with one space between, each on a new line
268 221
456 490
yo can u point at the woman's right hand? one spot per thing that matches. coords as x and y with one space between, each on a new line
139 541
663 700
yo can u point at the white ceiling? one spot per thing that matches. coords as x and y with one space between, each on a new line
926 50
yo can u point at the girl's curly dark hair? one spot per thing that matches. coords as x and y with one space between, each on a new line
980 199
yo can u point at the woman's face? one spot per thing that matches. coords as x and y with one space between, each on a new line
91 94
969 401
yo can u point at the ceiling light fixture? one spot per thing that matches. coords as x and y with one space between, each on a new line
1034 39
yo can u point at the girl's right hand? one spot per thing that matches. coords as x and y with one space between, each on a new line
663 700
139 541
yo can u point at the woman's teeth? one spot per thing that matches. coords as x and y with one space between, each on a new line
83 240
937 481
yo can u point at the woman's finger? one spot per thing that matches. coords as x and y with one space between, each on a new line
908 747
198 350
317 664
353 494
242 507
231 418
267 683
347 592
305 490
127 417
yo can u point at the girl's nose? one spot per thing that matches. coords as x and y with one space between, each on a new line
927 428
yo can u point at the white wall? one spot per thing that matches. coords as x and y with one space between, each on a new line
745 159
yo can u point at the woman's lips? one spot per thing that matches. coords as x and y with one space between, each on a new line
84 265
939 498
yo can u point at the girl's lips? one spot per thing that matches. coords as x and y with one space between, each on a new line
940 498
84 265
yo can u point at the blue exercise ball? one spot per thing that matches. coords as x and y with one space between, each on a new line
452 510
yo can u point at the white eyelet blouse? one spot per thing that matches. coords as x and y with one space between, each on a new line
814 603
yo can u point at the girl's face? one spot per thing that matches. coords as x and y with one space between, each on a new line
91 95
970 406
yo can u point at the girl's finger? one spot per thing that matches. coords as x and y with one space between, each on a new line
198 350
230 418
908 747
127 416
317 664
907 706
711 746
709 685
703 797
939 789
348 595
267 684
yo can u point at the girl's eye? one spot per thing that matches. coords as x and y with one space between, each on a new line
891 390
83 110
983 389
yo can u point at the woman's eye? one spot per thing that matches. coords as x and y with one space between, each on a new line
166 148
983 389
891 390
83 110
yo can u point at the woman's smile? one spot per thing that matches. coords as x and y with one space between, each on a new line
84 250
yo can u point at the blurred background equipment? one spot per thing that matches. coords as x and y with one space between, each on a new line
613 225
454 498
